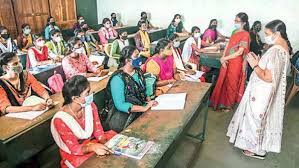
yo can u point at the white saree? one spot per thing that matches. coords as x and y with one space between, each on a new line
257 123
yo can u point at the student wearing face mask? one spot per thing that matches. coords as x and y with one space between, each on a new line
77 63
212 35
230 85
119 44
107 33
115 22
50 26
6 43
39 53
192 49
143 42
126 91
176 27
76 128
144 18
256 44
56 45
80 20
162 65
257 125
25 40
16 85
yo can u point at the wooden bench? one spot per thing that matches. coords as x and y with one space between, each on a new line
164 128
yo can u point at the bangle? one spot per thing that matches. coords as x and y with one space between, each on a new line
255 67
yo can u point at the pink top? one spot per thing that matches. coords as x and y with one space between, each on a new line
106 34
166 67
209 33
72 66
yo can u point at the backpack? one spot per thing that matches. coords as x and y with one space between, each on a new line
56 83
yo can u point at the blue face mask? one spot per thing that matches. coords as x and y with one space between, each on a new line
237 25
88 100
82 38
137 62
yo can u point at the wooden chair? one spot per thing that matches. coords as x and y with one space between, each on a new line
293 89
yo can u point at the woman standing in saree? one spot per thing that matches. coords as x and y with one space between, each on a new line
256 126
231 81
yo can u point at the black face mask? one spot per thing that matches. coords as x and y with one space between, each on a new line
114 18
214 27
85 29
5 36
124 37
258 29
144 17
52 23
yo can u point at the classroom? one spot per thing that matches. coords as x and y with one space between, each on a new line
149 84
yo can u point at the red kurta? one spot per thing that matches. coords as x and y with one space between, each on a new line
77 157
230 85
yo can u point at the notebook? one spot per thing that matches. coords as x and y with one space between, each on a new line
170 102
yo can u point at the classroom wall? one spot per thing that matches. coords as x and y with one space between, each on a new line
199 12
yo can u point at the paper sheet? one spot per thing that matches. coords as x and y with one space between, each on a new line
170 102
96 79
195 77
26 115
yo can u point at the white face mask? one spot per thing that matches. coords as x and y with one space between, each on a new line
40 43
79 50
27 31
176 44
269 39
197 35
177 20
81 21
57 39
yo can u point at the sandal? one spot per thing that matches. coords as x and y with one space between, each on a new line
253 155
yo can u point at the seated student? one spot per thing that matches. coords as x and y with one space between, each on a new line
115 22
6 43
176 27
77 63
76 128
143 42
163 66
107 33
144 18
211 35
177 55
56 45
17 85
192 49
25 40
89 45
77 25
119 44
39 53
50 26
127 104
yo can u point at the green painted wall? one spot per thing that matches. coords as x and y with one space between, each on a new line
88 9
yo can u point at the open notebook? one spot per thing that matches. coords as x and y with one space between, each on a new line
170 101
30 115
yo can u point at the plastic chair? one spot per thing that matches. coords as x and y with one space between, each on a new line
294 87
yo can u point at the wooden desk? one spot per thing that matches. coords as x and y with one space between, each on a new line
163 127
21 139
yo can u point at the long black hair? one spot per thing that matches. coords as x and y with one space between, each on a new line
161 45
125 54
244 18
254 24
279 26
74 87
211 21
5 58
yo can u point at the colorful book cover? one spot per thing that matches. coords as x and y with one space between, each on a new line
129 146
